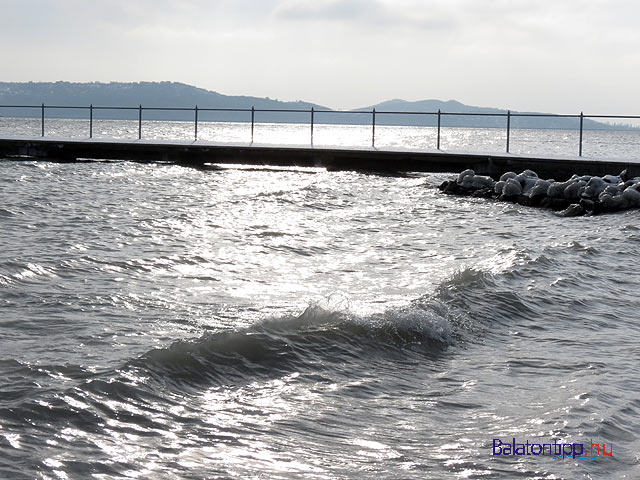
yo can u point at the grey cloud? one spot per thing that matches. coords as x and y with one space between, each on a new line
328 9
367 13
298 44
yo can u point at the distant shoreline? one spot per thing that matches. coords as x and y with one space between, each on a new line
178 95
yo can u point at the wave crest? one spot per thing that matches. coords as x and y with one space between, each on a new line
314 339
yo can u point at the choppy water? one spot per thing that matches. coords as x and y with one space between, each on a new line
166 322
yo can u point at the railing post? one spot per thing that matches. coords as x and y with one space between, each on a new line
508 128
253 116
140 122
373 128
196 122
581 127
438 144
311 126
91 121
42 133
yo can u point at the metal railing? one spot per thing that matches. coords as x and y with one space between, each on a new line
508 115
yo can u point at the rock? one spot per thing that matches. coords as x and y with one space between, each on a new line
556 190
527 183
624 175
480 181
588 205
466 173
613 190
613 179
632 195
524 200
594 187
467 182
450 187
573 210
579 195
506 176
540 188
443 186
512 188
527 180
529 173
483 193
574 190
612 202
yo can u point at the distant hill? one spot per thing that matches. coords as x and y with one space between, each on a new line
497 121
179 95
147 94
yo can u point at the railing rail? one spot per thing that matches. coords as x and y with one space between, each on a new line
508 115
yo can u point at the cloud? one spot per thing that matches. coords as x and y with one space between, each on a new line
329 9
522 54
364 13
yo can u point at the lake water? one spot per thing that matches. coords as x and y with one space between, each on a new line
614 144
164 322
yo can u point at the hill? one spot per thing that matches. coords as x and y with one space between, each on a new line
179 95
147 94
496 118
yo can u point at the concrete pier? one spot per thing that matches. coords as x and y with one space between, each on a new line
201 153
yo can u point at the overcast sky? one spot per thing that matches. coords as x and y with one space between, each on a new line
560 56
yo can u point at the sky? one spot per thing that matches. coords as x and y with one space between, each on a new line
560 56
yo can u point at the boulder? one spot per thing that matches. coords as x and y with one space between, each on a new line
594 187
466 173
632 195
512 188
480 181
613 179
573 210
612 202
539 189
556 190
574 190
508 175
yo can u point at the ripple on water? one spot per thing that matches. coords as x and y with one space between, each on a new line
164 321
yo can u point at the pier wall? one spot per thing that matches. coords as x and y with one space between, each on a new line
199 153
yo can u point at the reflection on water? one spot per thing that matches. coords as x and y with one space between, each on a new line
596 143
162 322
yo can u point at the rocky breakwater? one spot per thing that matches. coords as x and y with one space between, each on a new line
580 195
